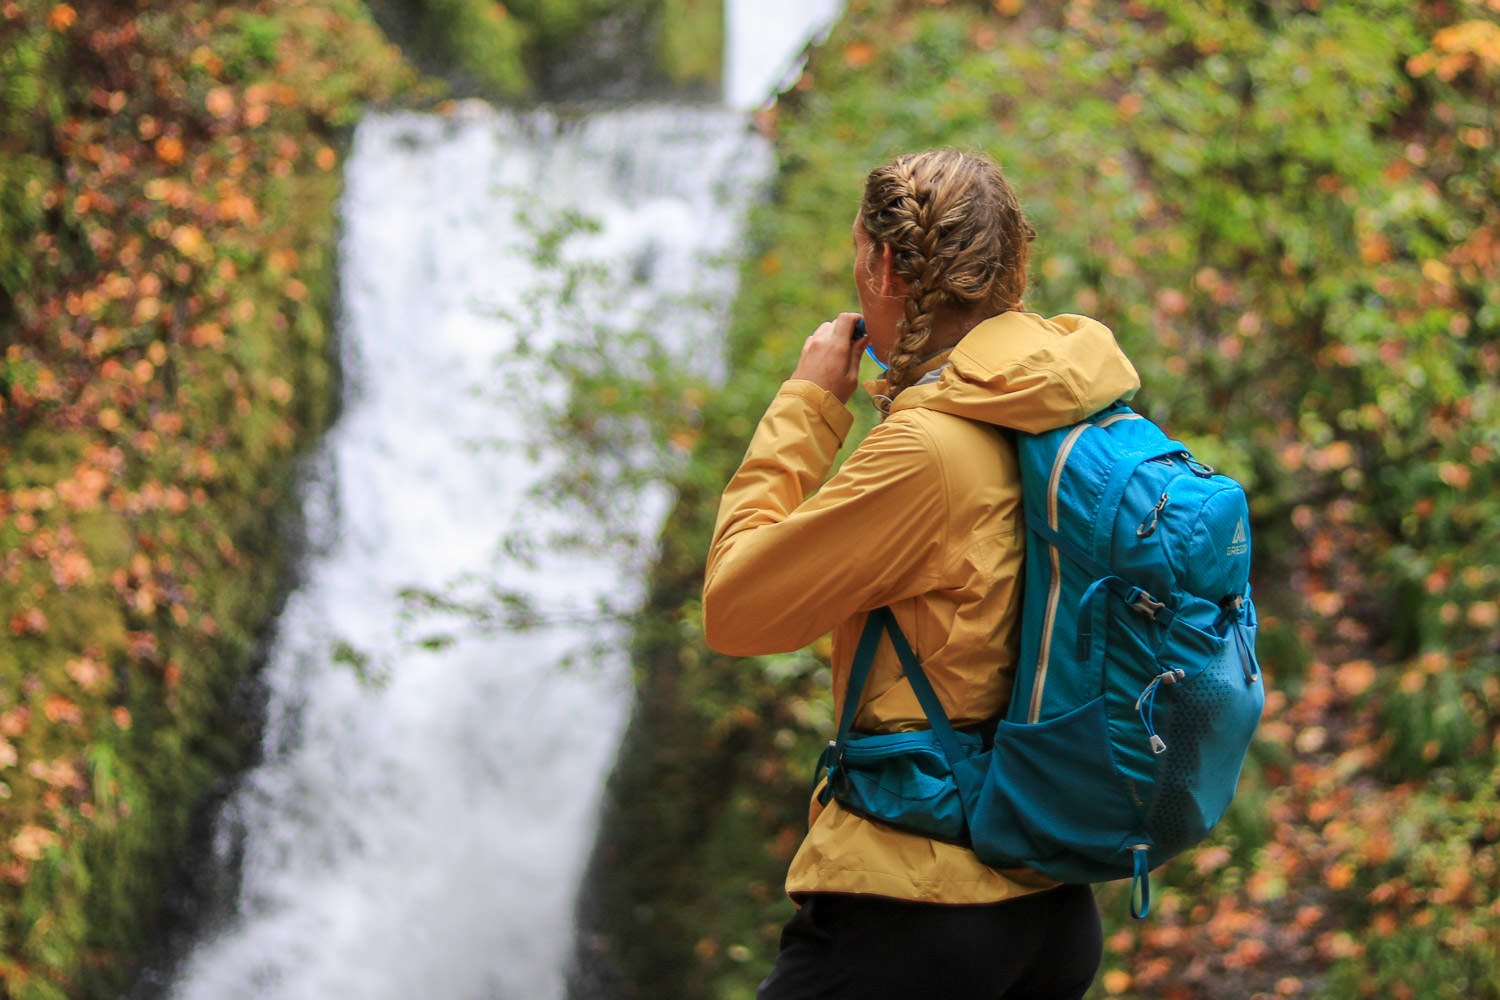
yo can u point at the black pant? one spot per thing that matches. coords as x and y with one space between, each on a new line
1045 946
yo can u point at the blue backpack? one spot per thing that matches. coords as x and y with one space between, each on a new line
1137 690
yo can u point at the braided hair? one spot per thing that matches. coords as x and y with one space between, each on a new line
958 238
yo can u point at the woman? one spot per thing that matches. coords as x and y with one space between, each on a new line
923 517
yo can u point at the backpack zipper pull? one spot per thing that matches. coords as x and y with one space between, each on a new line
1234 608
1145 704
1148 523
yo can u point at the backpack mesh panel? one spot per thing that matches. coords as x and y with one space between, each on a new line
1176 817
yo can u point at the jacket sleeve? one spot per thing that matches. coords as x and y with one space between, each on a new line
784 568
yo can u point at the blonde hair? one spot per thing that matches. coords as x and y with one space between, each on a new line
957 236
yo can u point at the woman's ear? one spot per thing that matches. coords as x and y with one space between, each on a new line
892 285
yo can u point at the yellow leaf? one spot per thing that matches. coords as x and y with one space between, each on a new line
188 240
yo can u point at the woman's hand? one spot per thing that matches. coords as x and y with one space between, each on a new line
830 358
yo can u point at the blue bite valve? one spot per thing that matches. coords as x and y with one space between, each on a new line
859 328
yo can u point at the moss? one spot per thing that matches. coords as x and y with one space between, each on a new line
169 359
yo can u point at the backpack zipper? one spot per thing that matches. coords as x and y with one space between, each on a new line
1054 592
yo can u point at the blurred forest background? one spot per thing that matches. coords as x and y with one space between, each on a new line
1287 211
1286 208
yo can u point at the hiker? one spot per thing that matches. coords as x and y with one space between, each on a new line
923 517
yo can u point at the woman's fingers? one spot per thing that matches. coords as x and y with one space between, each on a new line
830 357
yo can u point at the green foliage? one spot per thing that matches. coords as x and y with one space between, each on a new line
1287 211
691 40
250 44
513 50
25 171
478 37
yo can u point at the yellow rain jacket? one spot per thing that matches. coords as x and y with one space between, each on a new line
925 517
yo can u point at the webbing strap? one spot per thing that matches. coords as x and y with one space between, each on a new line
1042 530
864 655
926 697
882 619
1140 884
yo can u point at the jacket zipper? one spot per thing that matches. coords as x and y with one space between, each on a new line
1049 619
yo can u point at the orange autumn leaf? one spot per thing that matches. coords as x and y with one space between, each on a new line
87 672
1355 677
15 722
32 842
858 55
219 102
1484 614
28 621
169 149
206 335
56 773
70 568
62 17
61 711
1455 475
1339 875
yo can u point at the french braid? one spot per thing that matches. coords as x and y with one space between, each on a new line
958 238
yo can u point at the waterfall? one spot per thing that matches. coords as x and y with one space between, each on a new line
764 40
421 830
420 816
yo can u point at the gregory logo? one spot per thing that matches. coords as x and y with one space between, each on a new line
1240 543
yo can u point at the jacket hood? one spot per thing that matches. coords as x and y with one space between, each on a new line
1029 373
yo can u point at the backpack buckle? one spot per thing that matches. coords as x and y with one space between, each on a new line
1142 602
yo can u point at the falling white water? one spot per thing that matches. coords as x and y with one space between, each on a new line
764 40
423 834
